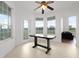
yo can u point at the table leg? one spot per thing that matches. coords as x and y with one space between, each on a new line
35 42
48 46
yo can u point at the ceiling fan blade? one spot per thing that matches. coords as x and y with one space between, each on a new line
37 7
42 11
50 8
49 2
37 2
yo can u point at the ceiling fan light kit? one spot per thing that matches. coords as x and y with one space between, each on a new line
44 5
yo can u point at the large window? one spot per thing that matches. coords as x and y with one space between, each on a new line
25 29
5 21
51 25
72 25
39 25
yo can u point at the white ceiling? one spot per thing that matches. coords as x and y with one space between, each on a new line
29 6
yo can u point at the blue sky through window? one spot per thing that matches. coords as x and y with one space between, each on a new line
25 24
39 23
51 23
4 21
72 21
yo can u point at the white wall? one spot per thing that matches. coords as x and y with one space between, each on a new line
20 16
6 46
65 23
77 30
18 26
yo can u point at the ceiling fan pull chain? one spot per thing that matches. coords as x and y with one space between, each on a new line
42 11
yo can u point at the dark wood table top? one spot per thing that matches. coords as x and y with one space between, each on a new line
43 36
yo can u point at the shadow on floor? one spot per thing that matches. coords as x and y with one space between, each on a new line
69 41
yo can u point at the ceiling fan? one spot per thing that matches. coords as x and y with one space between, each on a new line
44 5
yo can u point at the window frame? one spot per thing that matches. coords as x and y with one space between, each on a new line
7 13
27 30
51 18
39 19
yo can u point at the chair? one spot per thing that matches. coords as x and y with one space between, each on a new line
67 35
